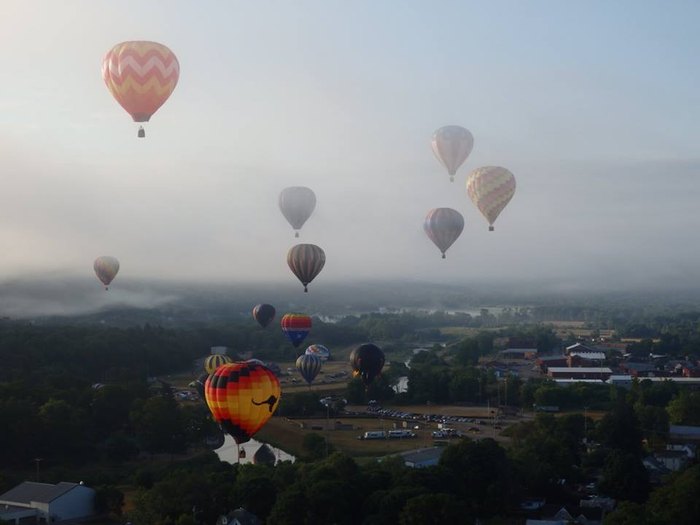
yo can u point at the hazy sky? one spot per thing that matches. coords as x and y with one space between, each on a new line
593 105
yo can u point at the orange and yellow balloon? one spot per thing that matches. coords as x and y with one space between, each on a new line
242 396
141 75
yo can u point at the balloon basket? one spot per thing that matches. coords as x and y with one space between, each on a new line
142 132
490 228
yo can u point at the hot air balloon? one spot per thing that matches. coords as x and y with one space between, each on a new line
321 351
214 361
490 188
297 203
141 76
106 267
452 145
367 361
309 366
264 314
296 327
306 261
443 226
241 398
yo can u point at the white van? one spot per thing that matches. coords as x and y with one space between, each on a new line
374 434
401 434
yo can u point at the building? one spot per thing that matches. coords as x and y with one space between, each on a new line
684 434
544 362
519 353
583 372
641 370
578 347
47 503
586 358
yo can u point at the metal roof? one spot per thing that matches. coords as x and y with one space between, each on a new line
29 491
580 370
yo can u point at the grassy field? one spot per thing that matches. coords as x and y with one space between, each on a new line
288 435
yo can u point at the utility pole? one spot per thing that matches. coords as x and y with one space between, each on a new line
37 461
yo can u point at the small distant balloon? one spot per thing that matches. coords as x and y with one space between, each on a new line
443 226
297 203
306 261
367 361
491 188
452 145
264 314
214 361
321 351
106 268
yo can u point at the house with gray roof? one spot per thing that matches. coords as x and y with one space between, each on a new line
47 503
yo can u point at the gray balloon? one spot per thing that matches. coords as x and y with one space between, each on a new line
297 203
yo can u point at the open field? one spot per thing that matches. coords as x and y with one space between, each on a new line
288 435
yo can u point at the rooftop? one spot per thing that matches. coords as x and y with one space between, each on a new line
580 370
29 491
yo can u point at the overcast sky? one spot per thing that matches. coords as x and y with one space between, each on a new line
593 105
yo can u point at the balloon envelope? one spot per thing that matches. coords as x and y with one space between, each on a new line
106 268
296 327
264 314
367 361
309 366
491 188
141 75
306 261
297 203
242 397
321 351
214 361
443 226
452 145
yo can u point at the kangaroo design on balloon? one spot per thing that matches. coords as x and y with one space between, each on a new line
269 401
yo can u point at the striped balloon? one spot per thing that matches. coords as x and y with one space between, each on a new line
452 145
242 397
214 361
491 188
141 76
443 226
309 366
306 261
297 203
106 268
296 327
